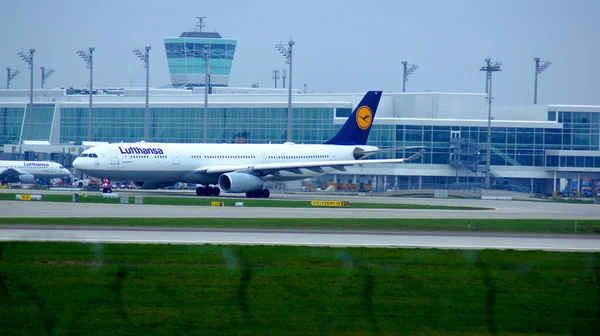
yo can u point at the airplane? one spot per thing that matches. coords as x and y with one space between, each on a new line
28 171
237 168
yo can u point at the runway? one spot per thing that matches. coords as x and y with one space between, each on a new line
574 243
502 210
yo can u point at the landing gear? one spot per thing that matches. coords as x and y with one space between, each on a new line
208 191
105 186
264 193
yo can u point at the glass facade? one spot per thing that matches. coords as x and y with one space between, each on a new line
11 120
11 123
510 146
42 122
225 125
580 130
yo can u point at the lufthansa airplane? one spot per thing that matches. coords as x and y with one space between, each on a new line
236 168
28 171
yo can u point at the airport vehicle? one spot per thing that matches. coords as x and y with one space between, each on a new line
29 171
236 168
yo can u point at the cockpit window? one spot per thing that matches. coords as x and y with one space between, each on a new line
84 155
93 155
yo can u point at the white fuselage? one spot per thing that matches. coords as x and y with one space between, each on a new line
179 162
39 169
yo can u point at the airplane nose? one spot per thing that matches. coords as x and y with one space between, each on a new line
78 163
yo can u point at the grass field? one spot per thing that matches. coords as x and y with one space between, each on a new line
88 289
207 201
456 225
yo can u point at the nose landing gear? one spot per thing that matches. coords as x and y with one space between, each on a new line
106 189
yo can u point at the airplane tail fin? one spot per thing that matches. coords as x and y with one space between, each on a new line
356 129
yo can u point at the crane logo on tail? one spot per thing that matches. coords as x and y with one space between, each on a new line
364 117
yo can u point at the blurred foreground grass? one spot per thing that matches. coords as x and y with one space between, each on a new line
95 289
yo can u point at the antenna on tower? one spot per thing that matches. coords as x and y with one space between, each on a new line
200 24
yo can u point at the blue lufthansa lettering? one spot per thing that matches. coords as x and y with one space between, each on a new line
35 164
138 150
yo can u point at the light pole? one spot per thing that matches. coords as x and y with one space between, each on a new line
488 62
145 57
45 75
10 76
284 76
206 75
28 58
408 70
538 70
287 53
89 59
489 68
275 76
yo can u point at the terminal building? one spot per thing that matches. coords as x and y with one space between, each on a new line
533 147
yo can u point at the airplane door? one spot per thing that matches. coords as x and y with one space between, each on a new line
175 157
264 157
114 156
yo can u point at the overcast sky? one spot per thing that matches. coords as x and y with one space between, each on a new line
341 45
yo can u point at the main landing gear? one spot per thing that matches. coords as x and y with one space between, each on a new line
264 193
208 191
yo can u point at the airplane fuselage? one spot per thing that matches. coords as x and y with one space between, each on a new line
39 169
179 162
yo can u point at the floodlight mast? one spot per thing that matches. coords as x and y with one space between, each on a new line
28 58
46 73
538 70
10 75
284 76
287 53
489 68
275 76
89 59
144 56
408 70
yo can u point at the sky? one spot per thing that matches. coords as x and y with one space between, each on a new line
341 45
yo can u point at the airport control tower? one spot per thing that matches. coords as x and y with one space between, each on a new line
186 56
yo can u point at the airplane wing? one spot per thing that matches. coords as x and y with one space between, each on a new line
317 166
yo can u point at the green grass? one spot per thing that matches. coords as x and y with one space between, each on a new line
202 201
113 289
457 225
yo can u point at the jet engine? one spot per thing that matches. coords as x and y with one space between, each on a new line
27 178
240 182
358 153
152 184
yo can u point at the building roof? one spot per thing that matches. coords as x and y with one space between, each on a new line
201 34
